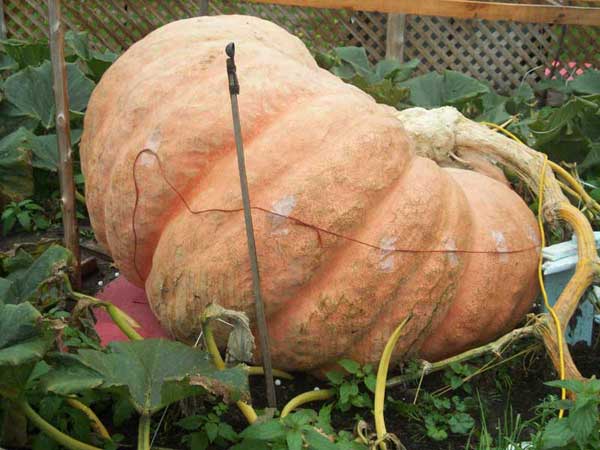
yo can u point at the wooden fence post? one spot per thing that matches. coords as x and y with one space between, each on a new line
63 132
3 32
204 7
394 42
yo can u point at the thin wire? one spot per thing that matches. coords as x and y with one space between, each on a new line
296 220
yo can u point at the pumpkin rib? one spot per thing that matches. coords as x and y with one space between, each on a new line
192 258
186 198
121 120
120 236
312 316
471 320
442 264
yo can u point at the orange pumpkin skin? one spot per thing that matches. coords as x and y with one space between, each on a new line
316 149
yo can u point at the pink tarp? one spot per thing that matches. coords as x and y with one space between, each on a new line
133 301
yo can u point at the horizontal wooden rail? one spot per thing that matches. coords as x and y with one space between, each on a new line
463 9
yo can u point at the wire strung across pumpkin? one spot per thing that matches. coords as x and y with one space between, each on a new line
293 219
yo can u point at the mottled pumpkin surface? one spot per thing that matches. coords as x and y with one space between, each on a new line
320 151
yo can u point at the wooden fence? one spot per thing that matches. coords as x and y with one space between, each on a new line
498 51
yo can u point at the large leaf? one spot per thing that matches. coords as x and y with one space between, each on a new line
26 53
384 91
77 44
23 342
30 91
153 373
355 57
11 119
16 175
433 90
459 88
27 284
593 157
494 108
7 63
45 150
548 127
587 83
426 90
100 62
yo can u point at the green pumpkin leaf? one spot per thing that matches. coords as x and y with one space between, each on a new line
7 63
433 89
45 150
386 68
593 157
356 57
26 53
30 91
16 175
11 119
459 87
153 373
426 90
100 62
27 283
77 43
23 342
72 377
587 83
494 108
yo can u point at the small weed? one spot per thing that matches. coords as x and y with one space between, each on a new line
26 214
442 415
304 429
579 429
208 430
350 389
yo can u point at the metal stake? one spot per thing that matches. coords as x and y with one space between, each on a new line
63 133
263 335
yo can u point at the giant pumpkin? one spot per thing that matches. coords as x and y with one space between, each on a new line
354 229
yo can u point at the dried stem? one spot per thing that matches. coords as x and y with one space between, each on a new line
211 346
497 347
96 423
441 132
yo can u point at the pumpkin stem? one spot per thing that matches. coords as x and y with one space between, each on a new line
121 319
211 346
384 364
52 432
257 370
144 432
460 133
497 347
306 397
96 423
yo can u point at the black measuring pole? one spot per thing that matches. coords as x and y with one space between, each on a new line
263 334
